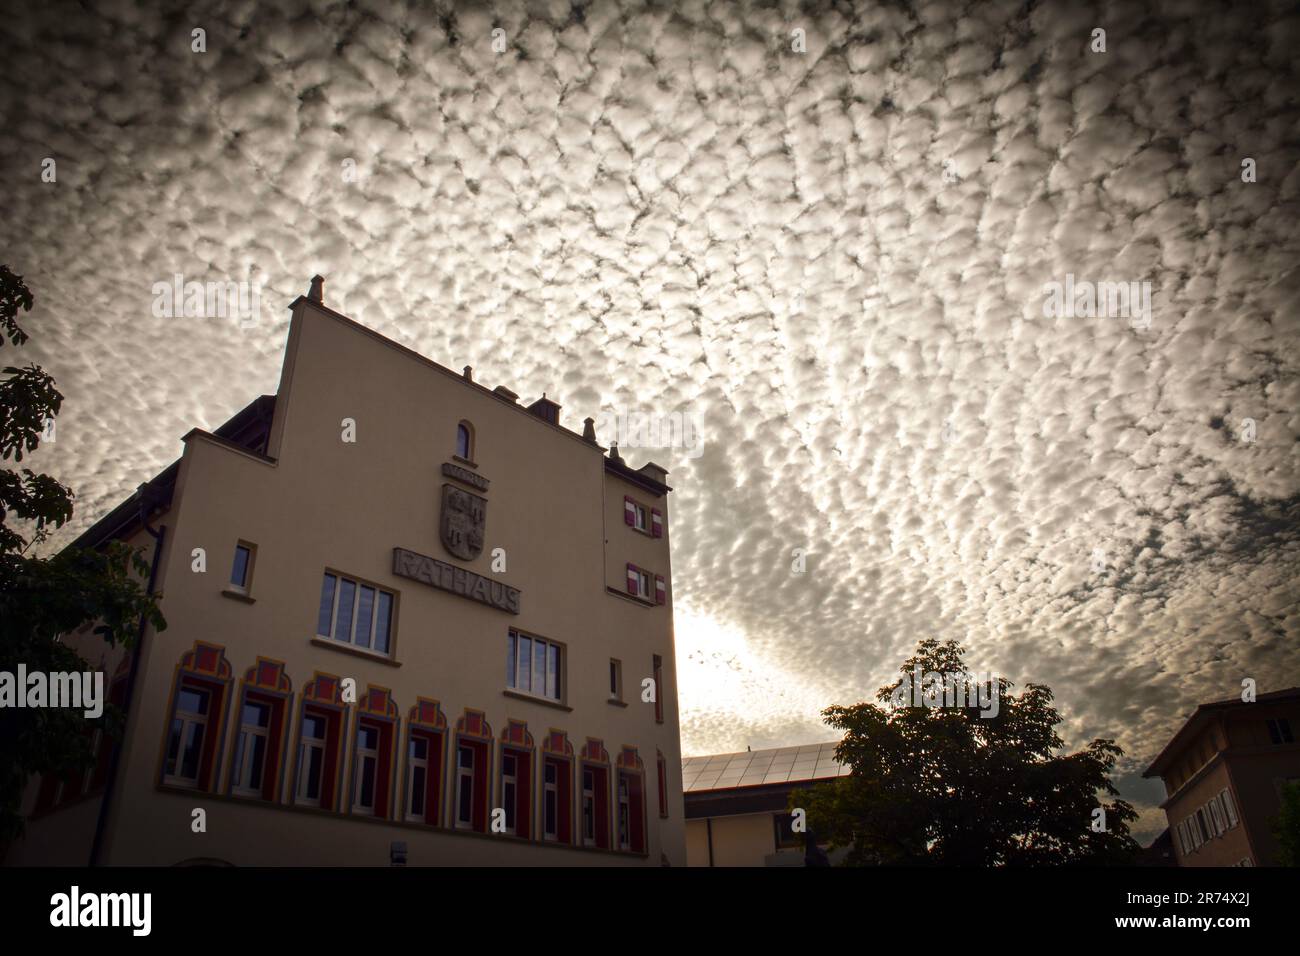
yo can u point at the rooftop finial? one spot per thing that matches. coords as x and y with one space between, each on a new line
317 291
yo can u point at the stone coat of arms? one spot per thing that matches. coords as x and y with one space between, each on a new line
464 518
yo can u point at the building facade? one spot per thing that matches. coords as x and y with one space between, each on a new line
1223 774
408 618
738 805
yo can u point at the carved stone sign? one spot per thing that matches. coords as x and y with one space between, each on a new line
464 474
464 517
448 577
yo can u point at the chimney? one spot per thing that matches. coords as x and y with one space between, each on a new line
546 410
468 374
506 393
655 472
589 430
317 291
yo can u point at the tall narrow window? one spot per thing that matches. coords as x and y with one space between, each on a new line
465 787
509 789
624 814
465 441
615 680
550 801
313 740
367 769
661 769
185 743
417 762
251 749
588 807
659 688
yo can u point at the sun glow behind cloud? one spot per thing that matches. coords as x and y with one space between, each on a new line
723 675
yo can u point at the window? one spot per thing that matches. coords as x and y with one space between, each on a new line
516 790
465 787
785 835
465 441
1229 809
417 763
646 586
1279 731
557 800
355 613
550 801
241 572
251 749
533 665
185 743
588 807
509 789
658 664
661 767
615 680
366 764
313 741
624 813
640 518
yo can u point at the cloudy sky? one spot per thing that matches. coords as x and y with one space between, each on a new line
831 261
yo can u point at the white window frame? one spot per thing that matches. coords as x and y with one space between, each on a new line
359 757
514 641
510 791
358 585
414 763
188 719
645 584
551 790
239 782
640 517
463 772
305 745
624 812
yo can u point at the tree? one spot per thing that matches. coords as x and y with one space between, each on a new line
1287 826
961 785
44 598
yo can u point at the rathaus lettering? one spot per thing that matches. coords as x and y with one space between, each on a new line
448 577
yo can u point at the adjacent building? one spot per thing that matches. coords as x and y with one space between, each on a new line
738 804
1223 773
409 619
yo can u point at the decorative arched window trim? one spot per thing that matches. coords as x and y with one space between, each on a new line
376 711
517 742
557 753
203 669
629 769
475 733
322 697
264 683
426 721
593 759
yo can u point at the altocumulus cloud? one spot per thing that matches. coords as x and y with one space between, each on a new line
833 261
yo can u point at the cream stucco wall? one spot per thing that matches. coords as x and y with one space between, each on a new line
325 503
